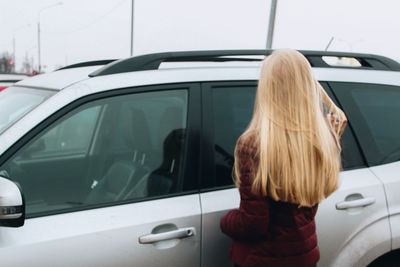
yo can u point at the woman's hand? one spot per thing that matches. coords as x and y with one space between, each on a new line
335 116
337 122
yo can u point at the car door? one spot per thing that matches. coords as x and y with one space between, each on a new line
108 181
341 219
374 112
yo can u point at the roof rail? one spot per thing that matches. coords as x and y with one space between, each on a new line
153 61
87 64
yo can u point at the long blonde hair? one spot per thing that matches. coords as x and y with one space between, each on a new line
298 154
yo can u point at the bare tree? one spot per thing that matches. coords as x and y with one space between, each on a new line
7 63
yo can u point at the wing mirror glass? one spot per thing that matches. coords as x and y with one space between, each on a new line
12 204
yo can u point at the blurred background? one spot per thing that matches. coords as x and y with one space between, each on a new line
64 32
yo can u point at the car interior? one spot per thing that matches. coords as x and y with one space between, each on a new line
112 150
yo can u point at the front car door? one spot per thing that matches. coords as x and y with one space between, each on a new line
108 182
342 222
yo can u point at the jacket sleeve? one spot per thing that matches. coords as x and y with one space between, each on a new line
250 221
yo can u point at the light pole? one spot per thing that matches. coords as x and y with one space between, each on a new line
15 32
329 43
271 24
132 17
38 28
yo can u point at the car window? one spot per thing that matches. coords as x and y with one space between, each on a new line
15 102
72 135
108 151
373 110
232 109
352 157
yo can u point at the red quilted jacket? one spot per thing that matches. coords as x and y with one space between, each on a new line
266 232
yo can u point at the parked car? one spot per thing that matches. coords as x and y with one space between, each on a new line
7 79
129 164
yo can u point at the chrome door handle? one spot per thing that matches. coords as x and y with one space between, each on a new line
363 202
175 234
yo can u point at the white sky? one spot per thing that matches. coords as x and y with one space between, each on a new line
81 30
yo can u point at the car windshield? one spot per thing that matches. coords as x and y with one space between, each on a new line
15 102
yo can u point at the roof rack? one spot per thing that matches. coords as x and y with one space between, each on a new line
87 64
153 61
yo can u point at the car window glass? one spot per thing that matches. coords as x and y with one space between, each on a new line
108 151
232 111
15 102
351 154
72 135
374 111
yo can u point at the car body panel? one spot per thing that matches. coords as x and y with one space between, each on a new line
339 231
11 78
366 246
215 245
7 80
63 78
59 79
105 237
338 247
390 176
163 76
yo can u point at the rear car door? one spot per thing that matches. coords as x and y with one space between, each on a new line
108 181
341 219
374 113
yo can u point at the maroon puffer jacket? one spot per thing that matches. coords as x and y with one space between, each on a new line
266 232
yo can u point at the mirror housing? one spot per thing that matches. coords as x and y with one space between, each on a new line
12 204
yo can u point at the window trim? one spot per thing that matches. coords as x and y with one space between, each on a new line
192 142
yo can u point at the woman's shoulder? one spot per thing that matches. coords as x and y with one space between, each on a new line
246 144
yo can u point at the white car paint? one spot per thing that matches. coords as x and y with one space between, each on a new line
59 79
10 79
351 237
390 176
109 236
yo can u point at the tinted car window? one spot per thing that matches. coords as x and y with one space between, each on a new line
232 110
111 150
351 154
373 110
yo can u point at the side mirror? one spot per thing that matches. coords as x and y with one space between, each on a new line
12 204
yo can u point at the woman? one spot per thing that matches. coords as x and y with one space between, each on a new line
286 162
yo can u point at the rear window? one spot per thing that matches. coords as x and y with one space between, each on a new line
15 102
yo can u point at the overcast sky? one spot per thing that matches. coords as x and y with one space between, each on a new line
81 30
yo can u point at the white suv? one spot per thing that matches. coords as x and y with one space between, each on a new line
129 163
